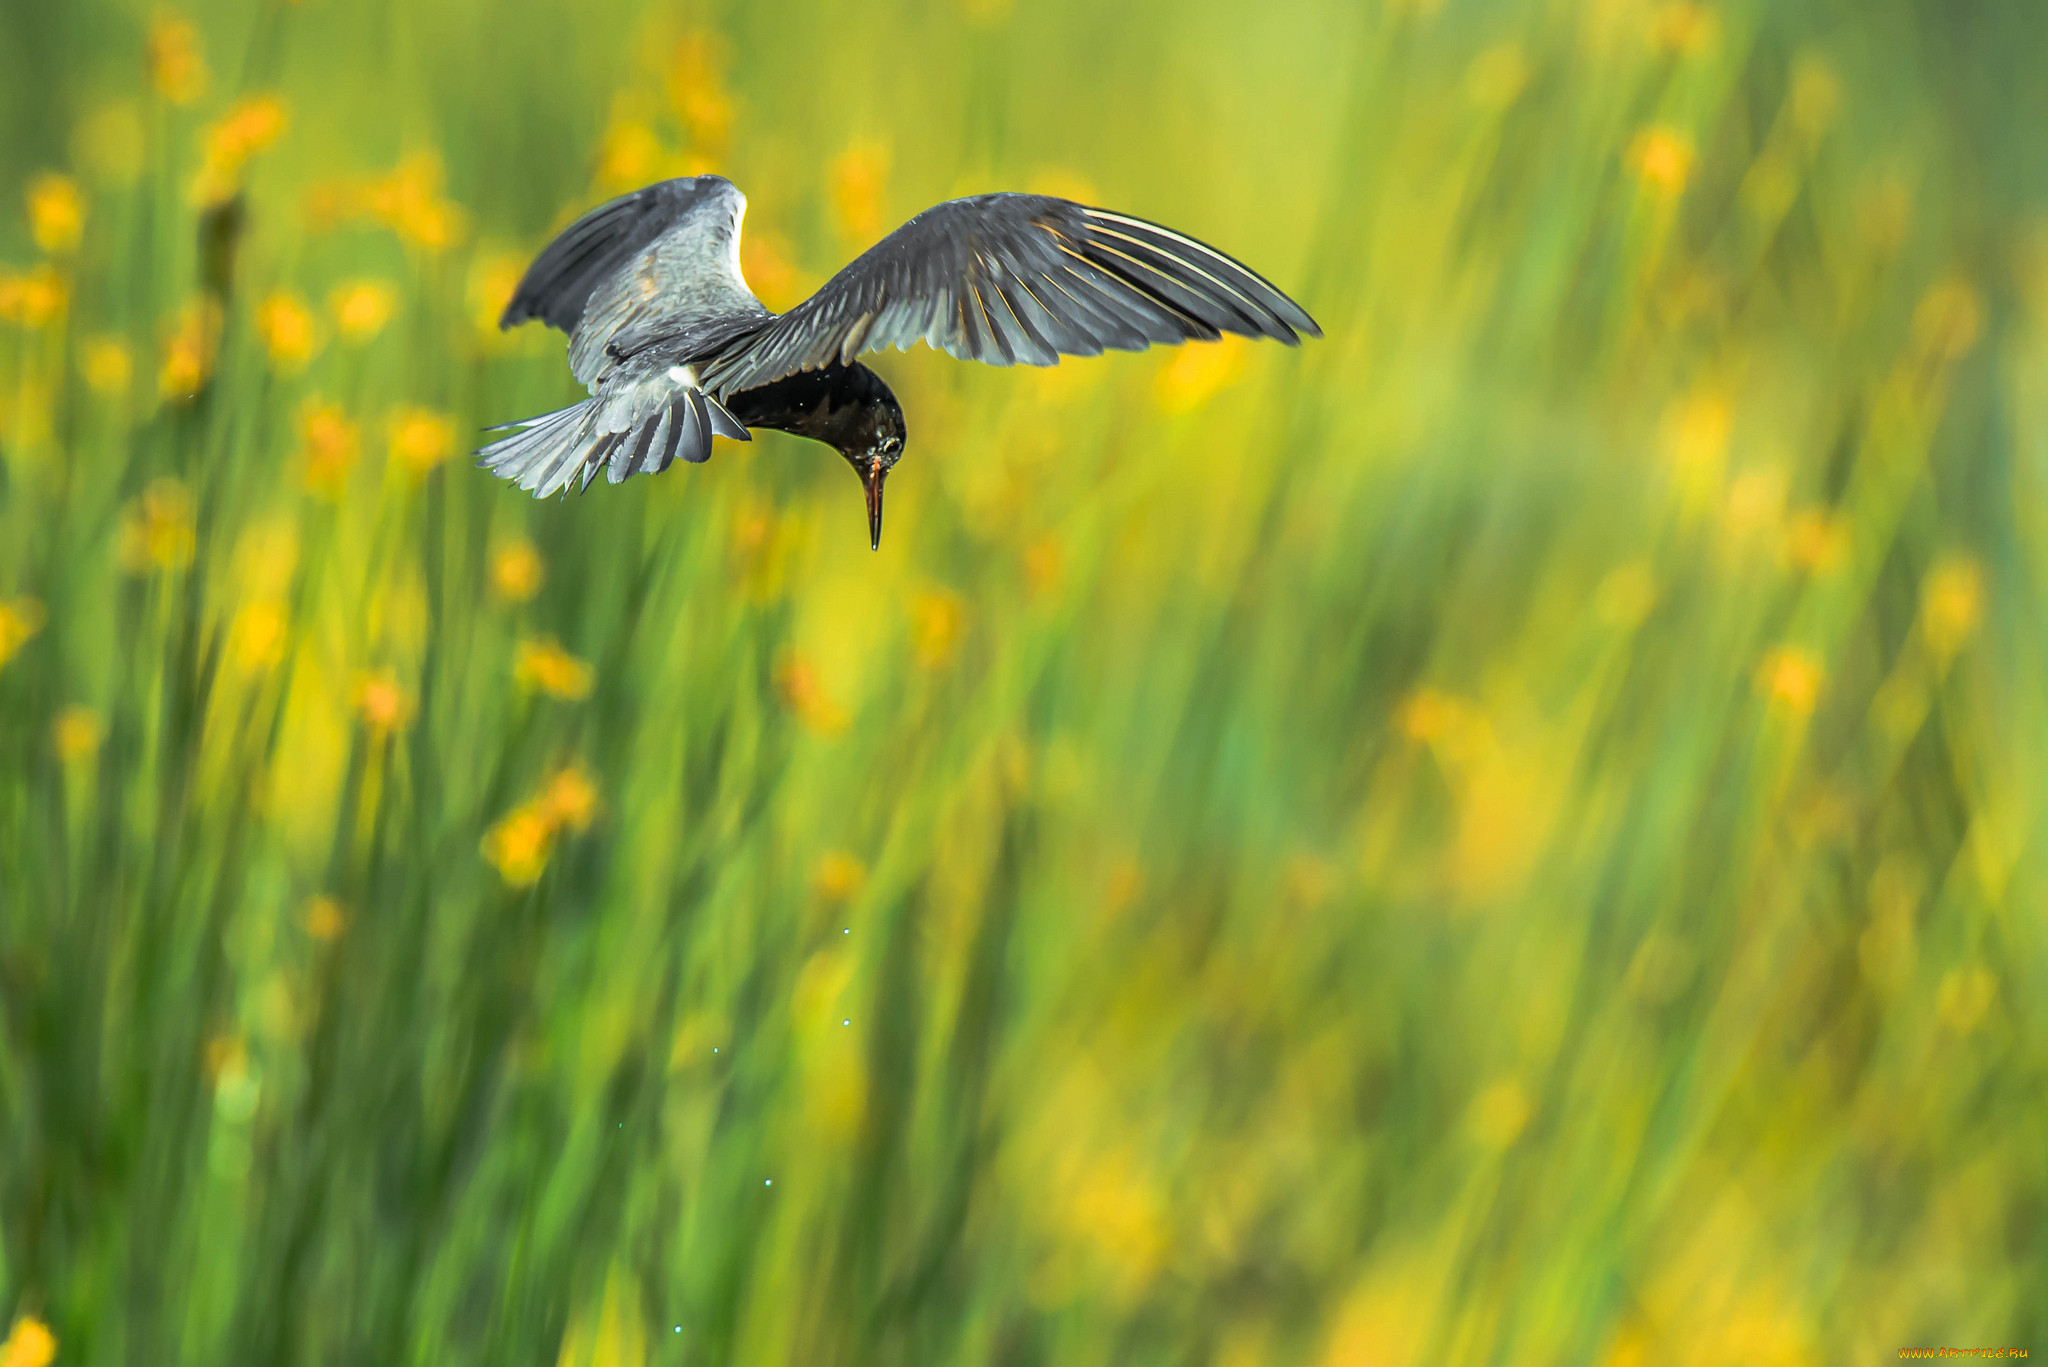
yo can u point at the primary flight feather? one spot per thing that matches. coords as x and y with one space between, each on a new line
675 349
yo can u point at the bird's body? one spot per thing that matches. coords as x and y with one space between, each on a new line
676 349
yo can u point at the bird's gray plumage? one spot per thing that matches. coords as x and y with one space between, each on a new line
665 333
1011 278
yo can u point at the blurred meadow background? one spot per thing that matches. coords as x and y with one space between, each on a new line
1512 834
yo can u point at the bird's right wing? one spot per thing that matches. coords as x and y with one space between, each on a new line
1010 278
660 262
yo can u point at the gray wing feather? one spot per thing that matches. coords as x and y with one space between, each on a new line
1008 279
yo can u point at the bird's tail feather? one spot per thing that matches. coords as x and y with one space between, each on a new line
555 450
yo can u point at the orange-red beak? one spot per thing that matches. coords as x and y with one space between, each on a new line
876 473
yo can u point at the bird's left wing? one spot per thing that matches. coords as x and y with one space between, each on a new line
660 262
1011 278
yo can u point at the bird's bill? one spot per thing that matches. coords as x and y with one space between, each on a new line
872 477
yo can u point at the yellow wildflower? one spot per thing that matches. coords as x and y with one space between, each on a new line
77 732
252 125
158 532
382 703
421 439
1817 540
696 90
107 366
764 260
32 299
1500 1114
1684 29
410 202
1043 565
362 308
176 66
325 919
288 330
858 176
1791 679
804 693
542 665
189 350
330 443
29 1344
256 640
56 212
1195 374
936 621
20 619
517 572
518 847
569 800
493 276
1663 158
631 155
839 876
1952 604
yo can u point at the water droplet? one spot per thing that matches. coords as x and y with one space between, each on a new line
769 1183
847 931
846 1022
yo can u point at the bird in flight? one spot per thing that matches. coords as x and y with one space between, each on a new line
675 349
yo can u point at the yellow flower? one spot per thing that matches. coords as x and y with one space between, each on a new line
1952 604
382 703
517 572
1043 565
29 1344
176 66
1195 374
252 125
421 439
20 619
1663 158
492 279
631 155
1791 679
325 919
362 308
189 350
697 91
542 665
410 202
330 443
158 532
256 640
518 847
569 800
936 621
839 876
56 212
288 330
1817 540
1500 1114
77 732
858 176
765 262
107 366
803 692
1684 29
32 299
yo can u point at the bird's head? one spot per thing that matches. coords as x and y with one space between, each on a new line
872 455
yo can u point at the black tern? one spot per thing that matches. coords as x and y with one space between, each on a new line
675 349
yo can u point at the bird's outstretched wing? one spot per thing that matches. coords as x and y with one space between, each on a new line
660 262
1011 278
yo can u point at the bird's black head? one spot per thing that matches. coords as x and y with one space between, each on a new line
876 446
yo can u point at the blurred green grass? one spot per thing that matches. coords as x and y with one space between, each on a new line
1512 834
